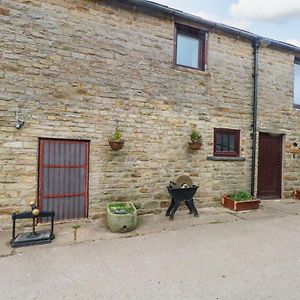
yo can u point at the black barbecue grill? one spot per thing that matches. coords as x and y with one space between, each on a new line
179 192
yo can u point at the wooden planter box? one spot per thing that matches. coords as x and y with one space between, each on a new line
240 205
297 194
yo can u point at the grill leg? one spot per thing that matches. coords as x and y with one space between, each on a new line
177 203
170 208
188 204
193 207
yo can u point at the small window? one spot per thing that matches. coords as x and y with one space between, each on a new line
297 83
226 142
190 47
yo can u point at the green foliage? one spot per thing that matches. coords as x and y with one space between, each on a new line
117 136
120 208
241 196
195 136
76 226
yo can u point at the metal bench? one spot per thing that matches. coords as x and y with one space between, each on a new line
34 237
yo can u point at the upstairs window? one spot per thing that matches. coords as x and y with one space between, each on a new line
297 83
190 47
226 142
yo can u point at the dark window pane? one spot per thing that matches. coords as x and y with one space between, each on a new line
225 143
231 143
297 84
218 142
187 50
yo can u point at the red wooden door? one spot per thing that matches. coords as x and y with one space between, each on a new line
269 166
63 177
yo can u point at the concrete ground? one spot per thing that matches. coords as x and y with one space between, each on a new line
220 255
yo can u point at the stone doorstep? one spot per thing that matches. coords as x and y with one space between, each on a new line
91 230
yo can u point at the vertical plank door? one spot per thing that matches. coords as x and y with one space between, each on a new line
269 166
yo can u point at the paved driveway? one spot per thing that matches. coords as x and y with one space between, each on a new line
244 258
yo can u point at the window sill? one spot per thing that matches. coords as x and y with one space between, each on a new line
226 158
190 70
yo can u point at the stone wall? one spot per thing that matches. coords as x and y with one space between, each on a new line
276 112
74 68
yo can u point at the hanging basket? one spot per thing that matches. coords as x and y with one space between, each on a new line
195 145
116 145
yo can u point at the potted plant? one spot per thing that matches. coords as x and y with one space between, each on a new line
196 140
121 216
116 142
240 201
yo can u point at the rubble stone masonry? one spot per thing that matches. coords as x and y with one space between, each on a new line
72 69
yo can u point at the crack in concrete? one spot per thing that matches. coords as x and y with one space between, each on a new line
12 253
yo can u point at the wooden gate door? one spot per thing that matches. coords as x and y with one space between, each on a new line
63 177
269 166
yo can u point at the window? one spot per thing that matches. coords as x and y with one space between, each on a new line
297 83
190 47
226 142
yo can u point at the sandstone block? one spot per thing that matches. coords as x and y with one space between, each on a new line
4 11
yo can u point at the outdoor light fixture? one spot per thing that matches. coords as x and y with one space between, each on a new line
295 149
19 122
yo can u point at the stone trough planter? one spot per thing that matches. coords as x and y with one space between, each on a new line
240 205
121 216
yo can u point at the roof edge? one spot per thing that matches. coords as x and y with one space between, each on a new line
214 25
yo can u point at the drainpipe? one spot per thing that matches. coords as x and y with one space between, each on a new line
256 45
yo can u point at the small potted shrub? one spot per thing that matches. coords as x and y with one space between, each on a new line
121 216
196 140
240 201
116 142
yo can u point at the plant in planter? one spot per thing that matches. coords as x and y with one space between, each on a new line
121 216
75 227
196 140
240 201
116 142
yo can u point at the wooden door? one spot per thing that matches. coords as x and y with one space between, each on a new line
63 177
269 166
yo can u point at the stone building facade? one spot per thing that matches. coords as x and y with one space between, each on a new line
73 70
